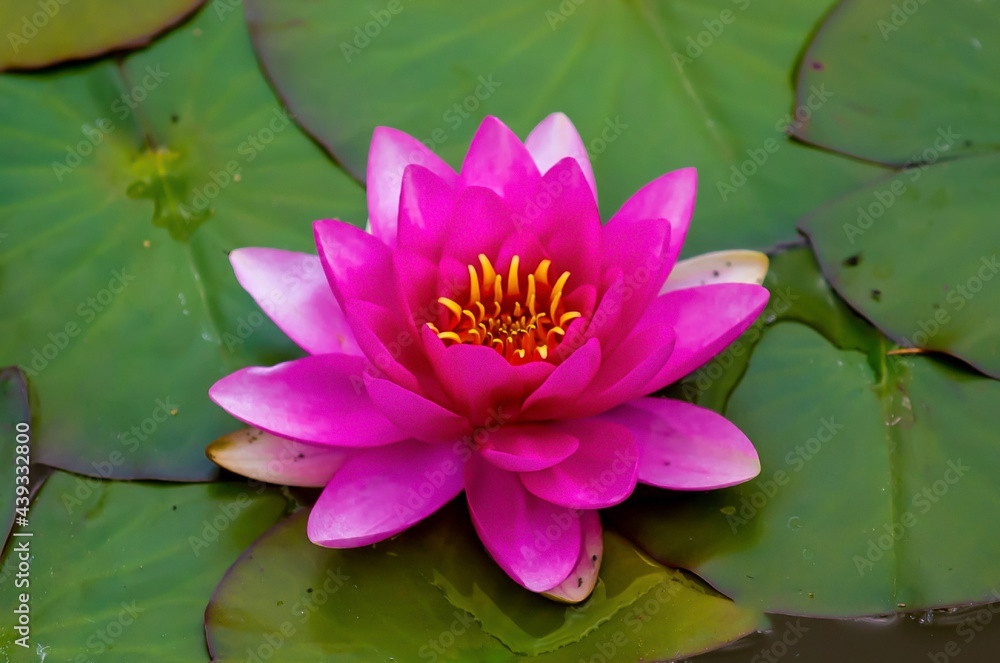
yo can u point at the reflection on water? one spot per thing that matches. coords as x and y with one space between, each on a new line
962 635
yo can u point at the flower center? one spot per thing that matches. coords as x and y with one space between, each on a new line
523 319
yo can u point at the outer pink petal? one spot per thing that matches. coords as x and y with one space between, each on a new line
292 290
380 492
527 448
499 161
686 447
583 578
425 209
671 197
391 152
537 543
556 138
706 319
319 399
419 417
600 474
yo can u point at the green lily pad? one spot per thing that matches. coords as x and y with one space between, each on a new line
122 571
915 81
872 484
43 32
434 594
650 86
119 211
917 255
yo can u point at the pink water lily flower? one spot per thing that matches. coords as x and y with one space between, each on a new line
490 335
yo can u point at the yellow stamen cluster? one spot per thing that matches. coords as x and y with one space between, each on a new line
522 323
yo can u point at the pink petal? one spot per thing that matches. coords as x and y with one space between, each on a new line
561 222
554 139
319 399
671 197
605 322
357 265
565 383
371 324
292 290
364 280
686 447
253 453
419 417
391 152
526 448
499 161
600 474
537 543
635 251
380 492
425 209
480 223
706 319
476 377
627 370
583 578
418 276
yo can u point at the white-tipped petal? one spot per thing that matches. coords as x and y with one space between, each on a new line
253 453
736 266
581 581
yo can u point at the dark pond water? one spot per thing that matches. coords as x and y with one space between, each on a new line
964 635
